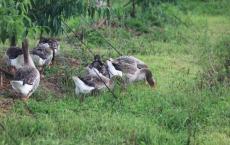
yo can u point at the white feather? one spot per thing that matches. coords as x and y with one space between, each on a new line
45 45
38 60
112 70
93 72
18 62
81 87
20 88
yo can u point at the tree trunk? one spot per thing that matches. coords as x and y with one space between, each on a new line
1 80
133 12
108 3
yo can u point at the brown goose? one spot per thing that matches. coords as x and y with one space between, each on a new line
27 78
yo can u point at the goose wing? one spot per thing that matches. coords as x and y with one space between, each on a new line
131 60
125 67
126 59
93 81
27 74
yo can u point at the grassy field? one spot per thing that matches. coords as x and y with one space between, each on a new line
177 112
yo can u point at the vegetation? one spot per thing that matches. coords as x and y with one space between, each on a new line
185 43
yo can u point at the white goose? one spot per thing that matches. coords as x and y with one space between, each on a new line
27 78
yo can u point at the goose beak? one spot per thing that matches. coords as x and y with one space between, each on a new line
154 85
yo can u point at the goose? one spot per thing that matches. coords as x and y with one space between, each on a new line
42 55
131 71
27 78
94 81
53 43
14 56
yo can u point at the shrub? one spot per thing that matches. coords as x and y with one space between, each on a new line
218 68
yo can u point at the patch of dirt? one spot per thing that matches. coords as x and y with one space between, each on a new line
52 84
5 102
73 62
4 85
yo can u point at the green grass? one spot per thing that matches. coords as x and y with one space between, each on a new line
175 112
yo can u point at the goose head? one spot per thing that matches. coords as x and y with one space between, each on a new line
97 63
148 76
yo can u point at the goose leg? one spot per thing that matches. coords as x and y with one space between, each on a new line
41 70
81 98
1 80
124 83
95 92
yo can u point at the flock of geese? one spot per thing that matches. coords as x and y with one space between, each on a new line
26 67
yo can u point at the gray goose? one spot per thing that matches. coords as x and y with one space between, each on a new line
27 78
133 70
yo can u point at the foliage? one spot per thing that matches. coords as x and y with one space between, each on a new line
218 69
49 14
98 8
13 19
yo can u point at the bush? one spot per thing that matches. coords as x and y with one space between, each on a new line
218 70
